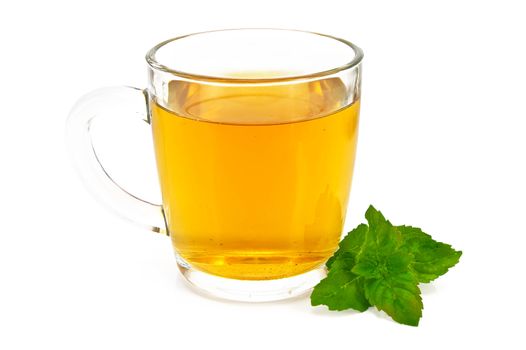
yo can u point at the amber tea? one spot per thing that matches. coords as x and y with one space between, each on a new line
255 179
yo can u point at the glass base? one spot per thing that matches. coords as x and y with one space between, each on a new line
250 291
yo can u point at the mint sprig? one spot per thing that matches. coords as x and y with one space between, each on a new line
381 265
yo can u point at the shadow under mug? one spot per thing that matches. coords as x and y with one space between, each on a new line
255 133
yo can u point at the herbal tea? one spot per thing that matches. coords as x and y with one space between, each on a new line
255 179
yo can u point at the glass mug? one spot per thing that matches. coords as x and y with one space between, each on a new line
255 134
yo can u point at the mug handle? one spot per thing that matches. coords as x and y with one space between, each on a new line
110 102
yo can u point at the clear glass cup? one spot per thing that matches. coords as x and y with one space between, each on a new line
255 133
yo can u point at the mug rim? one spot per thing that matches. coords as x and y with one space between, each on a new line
154 64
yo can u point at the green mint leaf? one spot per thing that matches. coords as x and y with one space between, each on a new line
352 243
341 289
432 259
381 236
398 296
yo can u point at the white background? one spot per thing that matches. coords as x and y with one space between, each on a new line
442 142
